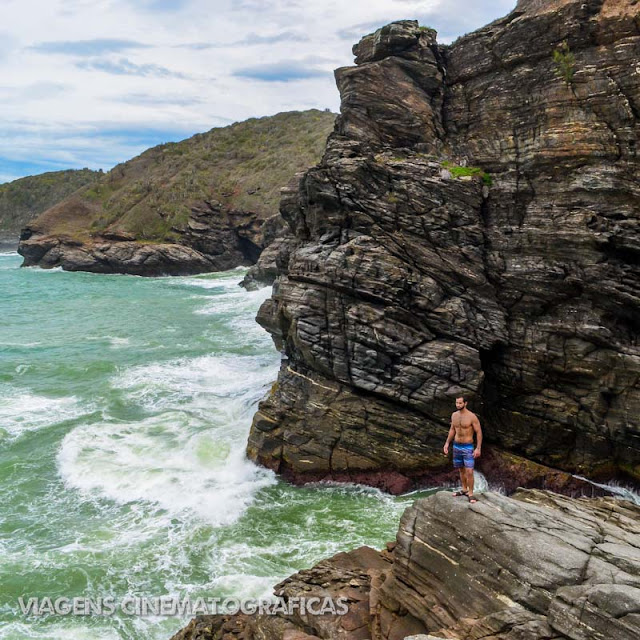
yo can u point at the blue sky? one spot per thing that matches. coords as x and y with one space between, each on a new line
90 83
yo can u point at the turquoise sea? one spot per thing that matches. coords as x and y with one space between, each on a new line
125 404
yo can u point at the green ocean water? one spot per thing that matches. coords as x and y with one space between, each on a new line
125 405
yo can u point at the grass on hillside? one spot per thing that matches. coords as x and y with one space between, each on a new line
242 166
23 199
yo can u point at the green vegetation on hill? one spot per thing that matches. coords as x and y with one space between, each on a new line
24 199
242 166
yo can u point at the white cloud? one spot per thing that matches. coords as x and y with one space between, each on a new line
81 77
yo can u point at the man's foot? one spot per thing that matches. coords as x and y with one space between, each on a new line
460 492
472 499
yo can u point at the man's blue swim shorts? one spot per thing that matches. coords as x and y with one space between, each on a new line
463 455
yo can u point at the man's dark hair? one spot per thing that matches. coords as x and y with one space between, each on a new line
464 398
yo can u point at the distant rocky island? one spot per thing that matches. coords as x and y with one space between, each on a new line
189 207
25 199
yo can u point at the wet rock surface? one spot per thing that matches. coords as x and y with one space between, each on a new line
278 242
537 566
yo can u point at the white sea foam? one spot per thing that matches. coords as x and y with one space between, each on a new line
37 269
187 455
230 297
21 412
232 305
207 281
118 342
62 631
202 283
235 299
170 460
480 483
618 489
222 385
20 344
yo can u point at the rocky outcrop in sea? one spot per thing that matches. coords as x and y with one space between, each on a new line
214 239
471 229
537 566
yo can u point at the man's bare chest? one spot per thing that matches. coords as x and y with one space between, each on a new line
461 423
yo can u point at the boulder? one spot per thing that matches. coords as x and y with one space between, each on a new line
536 566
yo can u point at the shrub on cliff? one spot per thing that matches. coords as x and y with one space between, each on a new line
565 62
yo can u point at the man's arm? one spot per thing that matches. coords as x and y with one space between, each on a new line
478 429
450 437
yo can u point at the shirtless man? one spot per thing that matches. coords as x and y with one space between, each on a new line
463 425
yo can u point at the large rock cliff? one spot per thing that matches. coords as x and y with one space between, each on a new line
472 229
536 567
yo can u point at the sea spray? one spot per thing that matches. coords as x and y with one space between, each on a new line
125 405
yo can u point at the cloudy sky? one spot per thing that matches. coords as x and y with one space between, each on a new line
90 83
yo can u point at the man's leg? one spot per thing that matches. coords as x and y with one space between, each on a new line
463 479
468 472
458 463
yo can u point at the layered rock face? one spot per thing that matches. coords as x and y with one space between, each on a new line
472 229
276 241
537 567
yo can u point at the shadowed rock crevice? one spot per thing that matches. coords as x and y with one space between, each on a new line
472 229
